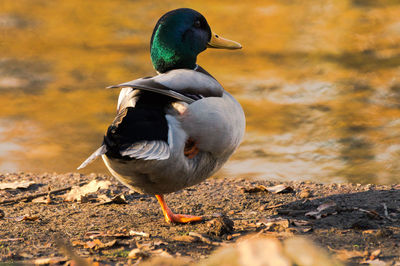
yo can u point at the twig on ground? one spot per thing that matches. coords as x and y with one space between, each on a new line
386 213
274 206
30 197
11 239
204 239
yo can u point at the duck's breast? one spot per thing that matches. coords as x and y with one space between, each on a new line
216 123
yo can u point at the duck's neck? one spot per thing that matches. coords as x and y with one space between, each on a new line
167 53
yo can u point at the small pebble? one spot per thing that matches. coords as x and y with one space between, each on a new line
305 194
232 212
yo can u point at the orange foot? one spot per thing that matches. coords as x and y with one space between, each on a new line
170 217
190 149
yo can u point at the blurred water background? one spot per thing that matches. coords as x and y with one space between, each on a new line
319 82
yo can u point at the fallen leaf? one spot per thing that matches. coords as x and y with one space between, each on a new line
186 238
16 184
204 238
302 251
252 190
318 214
300 222
375 254
1 214
274 189
77 243
94 234
135 233
119 199
275 224
11 239
138 253
302 229
142 253
375 262
259 251
326 205
52 261
79 193
370 231
26 218
160 243
44 199
344 254
278 189
25 255
95 244
161 253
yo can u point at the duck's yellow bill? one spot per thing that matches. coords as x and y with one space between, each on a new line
222 43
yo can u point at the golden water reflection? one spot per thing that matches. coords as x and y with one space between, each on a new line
319 82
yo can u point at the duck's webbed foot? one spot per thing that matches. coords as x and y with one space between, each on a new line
170 217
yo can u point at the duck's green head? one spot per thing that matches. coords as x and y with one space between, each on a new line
179 36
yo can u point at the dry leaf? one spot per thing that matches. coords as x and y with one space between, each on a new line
26 218
278 189
326 205
44 199
161 253
253 189
77 243
79 193
135 233
302 251
138 253
119 199
302 229
300 222
375 254
11 239
186 238
375 262
274 189
16 184
52 261
275 224
344 255
318 214
95 244
204 238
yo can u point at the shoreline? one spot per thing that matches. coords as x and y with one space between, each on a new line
351 219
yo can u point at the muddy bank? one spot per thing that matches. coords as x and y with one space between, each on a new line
115 225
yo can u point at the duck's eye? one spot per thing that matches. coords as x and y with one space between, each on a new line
197 24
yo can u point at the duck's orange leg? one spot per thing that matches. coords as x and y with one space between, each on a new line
170 217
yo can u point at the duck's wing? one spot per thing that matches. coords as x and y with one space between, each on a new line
182 84
136 133
122 139
100 151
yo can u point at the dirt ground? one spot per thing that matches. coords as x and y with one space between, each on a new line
354 223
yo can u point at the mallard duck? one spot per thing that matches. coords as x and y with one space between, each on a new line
179 127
